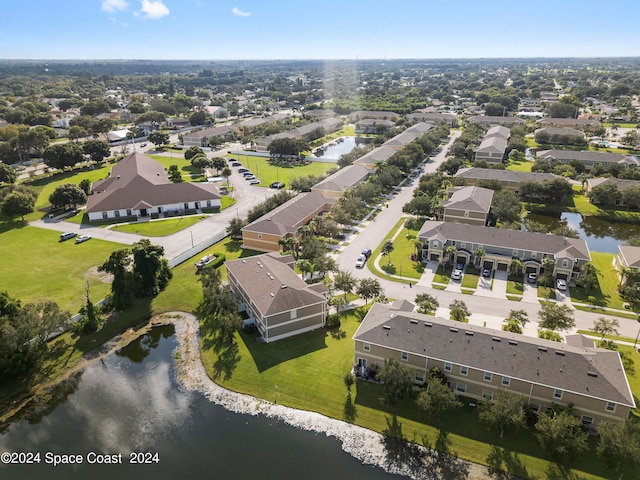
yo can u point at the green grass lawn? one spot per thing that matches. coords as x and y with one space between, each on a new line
403 248
189 173
49 269
523 166
546 292
159 228
269 172
514 285
384 260
605 294
443 273
470 278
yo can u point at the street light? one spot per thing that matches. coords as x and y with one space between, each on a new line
191 238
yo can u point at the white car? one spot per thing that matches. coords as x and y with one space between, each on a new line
83 238
360 261
561 284
457 274
254 181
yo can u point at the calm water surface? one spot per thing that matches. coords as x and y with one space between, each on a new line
336 150
131 402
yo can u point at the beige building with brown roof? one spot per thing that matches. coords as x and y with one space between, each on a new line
279 301
344 179
468 205
265 233
480 362
138 186
507 178
628 257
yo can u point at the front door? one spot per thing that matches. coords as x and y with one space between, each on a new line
143 212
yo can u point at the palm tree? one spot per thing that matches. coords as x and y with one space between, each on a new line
448 251
418 244
624 273
306 266
516 265
386 250
478 253
226 173
548 264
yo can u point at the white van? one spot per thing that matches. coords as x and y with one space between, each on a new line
67 236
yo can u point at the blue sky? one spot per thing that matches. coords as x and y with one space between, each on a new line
306 29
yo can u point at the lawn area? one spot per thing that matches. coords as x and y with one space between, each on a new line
443 273
308 371
523 166
346 131
514 285
605 294
403 248
159 228
189 173
383 260
470 278
269 172
49 269
546 292
579 203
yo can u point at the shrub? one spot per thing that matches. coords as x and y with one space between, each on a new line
333 321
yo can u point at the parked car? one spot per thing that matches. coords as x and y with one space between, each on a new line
366 252
236 164
247 174
360 261
277 185
249 177
67 236
83 238
254 181
561 284
457 274
459 266
242 170
532 277
486 273
204 261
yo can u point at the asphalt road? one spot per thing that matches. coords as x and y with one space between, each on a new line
372 232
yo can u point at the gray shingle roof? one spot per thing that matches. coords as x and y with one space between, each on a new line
498 131
289 216
493 144
502 237
620 183
588 156
474 199
591 372
631 255
272 284
504 175
343 179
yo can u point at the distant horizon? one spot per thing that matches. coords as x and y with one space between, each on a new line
328 30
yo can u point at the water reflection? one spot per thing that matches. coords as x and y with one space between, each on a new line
601 235
337 148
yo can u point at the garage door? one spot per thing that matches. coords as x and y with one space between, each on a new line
562 276
435 256
488 265
531 270
503 266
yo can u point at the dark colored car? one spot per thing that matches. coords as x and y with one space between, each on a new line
242 170
366 252
236 164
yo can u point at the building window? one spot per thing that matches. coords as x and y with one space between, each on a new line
434 244
404 356
461 387
419 377
506 381
466 213
565 263
259 236
534 255
557 393
535 407
447 367
117 212
464 370
586 420
488 394
515 253
366 347
186 206
488 376
611 407
105 215
129 212
208 203
294 314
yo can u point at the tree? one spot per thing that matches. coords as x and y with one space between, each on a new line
67 194
397 380
96 149
193 151
85 186
437 399
561 434
505 206
556 317
448 251
218 163
345 281
63 155
618 443
516 265
226 173
158 138
234 229
606 326
386 250
421 205
151 271
478 253
505 411
368 288
218 309
306 266
630 196
174 174
427 304
605 194
91 319
118 265
348 381
200 161
515 321
17 203
459 311
588 279
7 174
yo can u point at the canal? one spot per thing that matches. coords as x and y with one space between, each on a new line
131 402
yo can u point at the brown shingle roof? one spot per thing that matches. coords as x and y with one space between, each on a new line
474 199
343 179
591 372
631 255
503 175
588 156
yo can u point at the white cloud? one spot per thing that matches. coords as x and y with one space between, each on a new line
112 6
154 8
239 13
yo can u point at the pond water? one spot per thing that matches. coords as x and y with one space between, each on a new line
601 235
130 402
338 147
